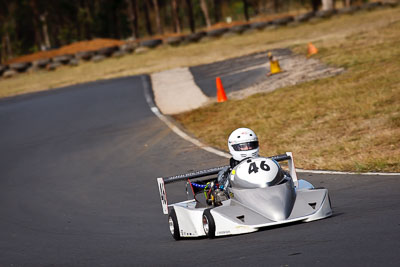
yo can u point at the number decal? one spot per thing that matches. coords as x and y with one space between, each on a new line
253 167
264 166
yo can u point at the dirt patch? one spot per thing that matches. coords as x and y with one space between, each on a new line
247 75
295 69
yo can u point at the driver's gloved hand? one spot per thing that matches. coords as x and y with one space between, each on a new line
223 176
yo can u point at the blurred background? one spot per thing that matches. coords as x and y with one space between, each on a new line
29 26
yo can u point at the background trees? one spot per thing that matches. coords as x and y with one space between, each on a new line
33 25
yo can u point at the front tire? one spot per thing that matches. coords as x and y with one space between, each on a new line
173 225
208 224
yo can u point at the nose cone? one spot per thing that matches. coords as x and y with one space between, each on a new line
275 202
278 203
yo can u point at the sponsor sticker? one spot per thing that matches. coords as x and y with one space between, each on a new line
224 232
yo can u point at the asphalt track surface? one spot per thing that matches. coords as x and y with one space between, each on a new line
236 73
78 188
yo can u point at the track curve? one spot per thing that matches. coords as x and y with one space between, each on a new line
77 187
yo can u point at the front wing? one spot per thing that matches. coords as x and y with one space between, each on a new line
234 218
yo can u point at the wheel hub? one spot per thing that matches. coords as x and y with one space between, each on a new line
205 225
171 225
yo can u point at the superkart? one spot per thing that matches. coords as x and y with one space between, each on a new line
261 194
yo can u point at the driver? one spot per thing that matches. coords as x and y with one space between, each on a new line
242 144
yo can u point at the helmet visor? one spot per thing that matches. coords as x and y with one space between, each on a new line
245 146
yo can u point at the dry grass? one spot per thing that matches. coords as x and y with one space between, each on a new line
194 54
349 122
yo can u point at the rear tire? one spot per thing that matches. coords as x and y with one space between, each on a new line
173 225
208 224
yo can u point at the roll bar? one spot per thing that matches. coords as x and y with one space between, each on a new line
204 173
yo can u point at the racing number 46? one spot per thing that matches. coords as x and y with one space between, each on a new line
253 167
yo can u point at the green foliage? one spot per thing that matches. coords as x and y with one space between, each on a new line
69 21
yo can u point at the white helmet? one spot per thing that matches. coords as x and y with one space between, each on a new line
243 143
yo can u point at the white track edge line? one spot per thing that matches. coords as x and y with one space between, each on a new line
174 128
196 142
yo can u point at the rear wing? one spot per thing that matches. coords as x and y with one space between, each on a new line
204 173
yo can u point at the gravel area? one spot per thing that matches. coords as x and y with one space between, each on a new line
295 69
183 89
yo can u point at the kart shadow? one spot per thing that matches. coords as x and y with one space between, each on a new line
267 228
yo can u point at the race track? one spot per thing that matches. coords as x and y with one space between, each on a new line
78 170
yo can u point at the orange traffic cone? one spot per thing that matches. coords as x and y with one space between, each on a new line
311 50
221 96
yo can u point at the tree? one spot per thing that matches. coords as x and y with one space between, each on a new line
43 19
217 11
327 4
133 17
204 9
36 27
190 15
158 20
315 5
175 16
146 8
246 10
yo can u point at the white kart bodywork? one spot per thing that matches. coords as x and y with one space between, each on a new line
250 209
226 221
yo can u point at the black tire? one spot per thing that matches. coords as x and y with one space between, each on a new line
371 6
98 58
174 40
64 59
217 32
41 63
209 221
348 10
20 66
151 43
107 51
128 47
239 28
260 25
85 55
9 73
283 21
324 14
2 69
304 17
173 225
195 37
53 66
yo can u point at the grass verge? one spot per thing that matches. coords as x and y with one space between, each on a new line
350 122
201 53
